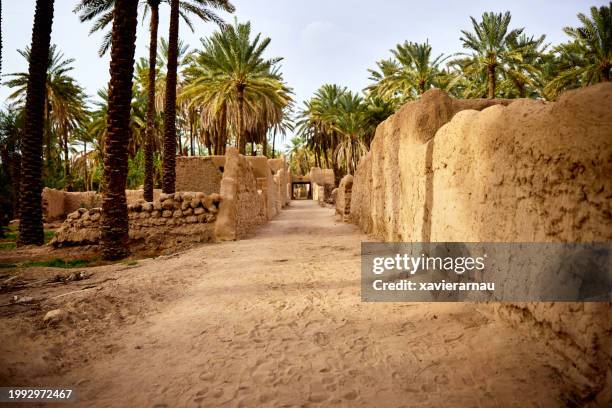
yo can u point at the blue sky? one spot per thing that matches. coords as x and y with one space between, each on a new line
322 41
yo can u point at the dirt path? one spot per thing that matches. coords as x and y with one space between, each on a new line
276 320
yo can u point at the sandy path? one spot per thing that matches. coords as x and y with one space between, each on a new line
276 320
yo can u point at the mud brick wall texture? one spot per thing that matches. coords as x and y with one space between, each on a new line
443 169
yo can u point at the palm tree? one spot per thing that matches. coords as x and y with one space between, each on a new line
587 59
522 73
114 222
412 71
234 85
0 37
31 225
181 8
64 103
490 46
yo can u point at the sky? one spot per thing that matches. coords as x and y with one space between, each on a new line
321 41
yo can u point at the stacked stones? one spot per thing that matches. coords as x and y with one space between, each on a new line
172 210
175 209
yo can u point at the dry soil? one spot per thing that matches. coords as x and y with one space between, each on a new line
270 321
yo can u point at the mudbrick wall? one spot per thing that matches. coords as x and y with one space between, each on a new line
265 183
343 197
243 207
443 169
244 201
199 173
282 177
57 204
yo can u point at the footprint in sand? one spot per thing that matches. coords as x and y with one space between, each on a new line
207 376
321 339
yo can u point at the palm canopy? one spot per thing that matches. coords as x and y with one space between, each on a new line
232 83
412 70
490 46
587 58
101 13
65 99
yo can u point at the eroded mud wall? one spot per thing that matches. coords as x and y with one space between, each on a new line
242 206
448 170
199 173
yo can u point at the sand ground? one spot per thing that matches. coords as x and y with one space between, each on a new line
271 321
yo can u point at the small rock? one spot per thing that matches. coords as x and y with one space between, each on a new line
55 316
177 214
167 214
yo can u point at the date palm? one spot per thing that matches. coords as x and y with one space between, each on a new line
587 58
31 225
114 221
64 102
201 9
230 76
412 71
489 44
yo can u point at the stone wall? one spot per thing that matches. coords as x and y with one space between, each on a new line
180 216
343 197
531 171
199 173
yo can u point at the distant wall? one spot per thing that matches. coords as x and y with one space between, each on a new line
532 171
199 173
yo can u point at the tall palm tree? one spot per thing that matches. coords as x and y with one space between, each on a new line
64 103
31 225
587 59
235 85
114 222
0 37
200 8
489 45
150 129
102 12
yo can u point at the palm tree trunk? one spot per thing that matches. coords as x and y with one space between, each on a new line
605 73
241 135
191 137
491 81
67 176
273 141
114 222
85 164
31 223
265 146
149 133
169 176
